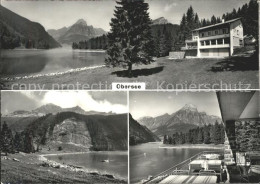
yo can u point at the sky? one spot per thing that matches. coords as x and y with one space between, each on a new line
158 103
57 14
104 101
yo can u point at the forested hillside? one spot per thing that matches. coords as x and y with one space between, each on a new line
95 132
18 31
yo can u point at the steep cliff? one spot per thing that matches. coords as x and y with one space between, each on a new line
140 134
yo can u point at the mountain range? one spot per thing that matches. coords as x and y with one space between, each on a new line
52 109
79 31
186 118
17 31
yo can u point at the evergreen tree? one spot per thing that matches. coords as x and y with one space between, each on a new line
18 142
200 135
6 140
217 134
28 142
213 20
206 135
165 139
130 39
197 21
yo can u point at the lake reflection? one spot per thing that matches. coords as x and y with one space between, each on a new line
24 62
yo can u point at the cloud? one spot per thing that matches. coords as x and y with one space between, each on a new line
169 6
82 99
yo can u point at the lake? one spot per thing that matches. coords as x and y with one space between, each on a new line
155 160
92 161
29 61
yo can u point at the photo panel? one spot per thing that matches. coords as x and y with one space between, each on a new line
90 44
64 137
194 137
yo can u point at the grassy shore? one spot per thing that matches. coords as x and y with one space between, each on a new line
193 146
31 168
225 73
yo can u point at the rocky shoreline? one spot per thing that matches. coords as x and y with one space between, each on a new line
199 146
52 74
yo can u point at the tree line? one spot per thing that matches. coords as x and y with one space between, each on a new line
19 142
208 134
99 42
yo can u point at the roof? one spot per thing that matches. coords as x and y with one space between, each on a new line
218 24
189 179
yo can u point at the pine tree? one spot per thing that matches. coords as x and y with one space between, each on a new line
183 28
213 20
217 136
6 139
165 139
130 39
28 142
197 21
17 142
200 136
206 135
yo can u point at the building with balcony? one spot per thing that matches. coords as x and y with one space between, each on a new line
218 40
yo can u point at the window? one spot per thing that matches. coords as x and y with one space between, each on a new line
226 40
209 33
225 31
213 42
220 41
202 35
216 32
240 42
202 43
207 42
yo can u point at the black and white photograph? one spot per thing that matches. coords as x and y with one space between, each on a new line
129 91
166 44
194 137
64 137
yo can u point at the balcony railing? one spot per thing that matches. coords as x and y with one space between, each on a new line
214 46
215 37
189 48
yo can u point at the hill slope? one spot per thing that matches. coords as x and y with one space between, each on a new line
18 31
140 134
96 132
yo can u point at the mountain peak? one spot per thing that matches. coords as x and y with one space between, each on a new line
190 107
81 21
160 20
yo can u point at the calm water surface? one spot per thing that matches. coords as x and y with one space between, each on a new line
25 62
92 161
155 160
